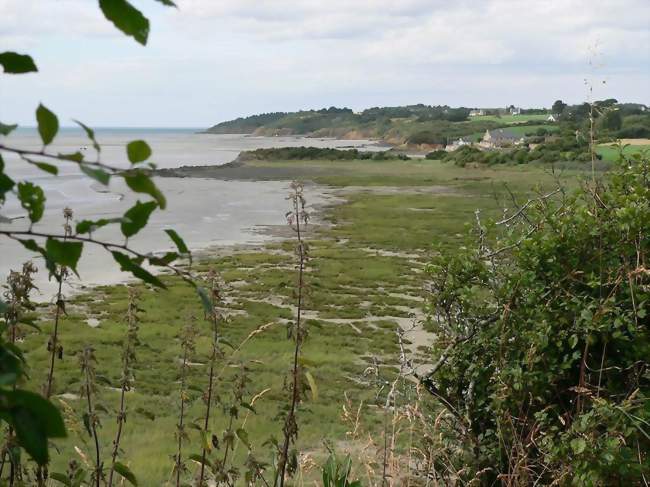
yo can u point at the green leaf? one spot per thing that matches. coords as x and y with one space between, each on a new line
141 183
59 477
205 300
136 218
72 156
87 226
96 173
242 434
14 63
248 406
165 260
312 385
169 3
205 439
7 129
128 265
199 459
48 124
64 253
578 445
50 168
90 133
126 18
180 243
35 419
138 151
6 183
125 472
32 199
11 363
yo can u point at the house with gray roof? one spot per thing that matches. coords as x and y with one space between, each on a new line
493 139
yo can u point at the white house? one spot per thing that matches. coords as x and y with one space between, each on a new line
476 112
457 144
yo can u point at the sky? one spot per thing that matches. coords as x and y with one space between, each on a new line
214 60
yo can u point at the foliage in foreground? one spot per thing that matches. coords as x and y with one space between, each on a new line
543 339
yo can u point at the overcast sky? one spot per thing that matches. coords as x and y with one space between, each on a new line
213 60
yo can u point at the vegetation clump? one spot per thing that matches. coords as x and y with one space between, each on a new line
543 338
317 153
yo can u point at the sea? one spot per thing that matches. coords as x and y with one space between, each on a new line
208 213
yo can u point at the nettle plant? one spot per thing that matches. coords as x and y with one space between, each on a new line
31 418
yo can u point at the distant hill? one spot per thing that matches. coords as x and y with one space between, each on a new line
412 124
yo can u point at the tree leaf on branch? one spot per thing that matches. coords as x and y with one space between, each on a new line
168 3
59 477
96 173
64 253
205 300
14 63
48 124
141 183
129 265
312 385
32 199
7 129
125 472
126 18
34 419
180 243
138 151
49 168
87 226
73 156
136 218
242 434
90 133
6 183
166 259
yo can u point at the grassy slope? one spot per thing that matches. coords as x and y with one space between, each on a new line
612 152
509 118
346 282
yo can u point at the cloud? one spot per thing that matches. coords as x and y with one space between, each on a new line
214 59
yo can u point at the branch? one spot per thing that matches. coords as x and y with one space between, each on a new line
14 235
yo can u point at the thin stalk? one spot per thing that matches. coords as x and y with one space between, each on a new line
88 373
225 453
213 359
181 424
54 339
127 360
206 421
290 427
188 348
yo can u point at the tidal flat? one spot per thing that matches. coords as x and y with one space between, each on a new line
379 226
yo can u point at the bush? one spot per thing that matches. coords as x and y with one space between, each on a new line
544 341
317 153
437 155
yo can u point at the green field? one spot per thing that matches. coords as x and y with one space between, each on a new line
510 119
612 152
365 275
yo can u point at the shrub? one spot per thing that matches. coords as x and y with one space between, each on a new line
543 339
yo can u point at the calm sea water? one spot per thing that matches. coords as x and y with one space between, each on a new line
206 212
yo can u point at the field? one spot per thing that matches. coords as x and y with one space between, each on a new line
611 152
365 279
510 119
